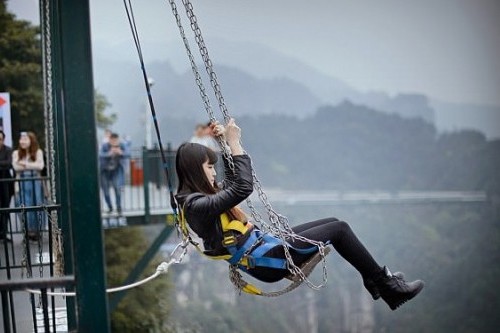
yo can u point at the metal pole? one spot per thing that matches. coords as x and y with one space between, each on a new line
145 177
147 119
62 186
82 199
5 311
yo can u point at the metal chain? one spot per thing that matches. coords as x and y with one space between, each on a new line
39 220
57 244
49 107
215 85
199 82
206 59
237 279
24 262
279 223
56 235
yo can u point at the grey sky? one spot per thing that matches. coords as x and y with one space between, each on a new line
447 49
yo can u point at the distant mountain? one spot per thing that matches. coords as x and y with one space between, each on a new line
265 62
176 95
257 79
452 117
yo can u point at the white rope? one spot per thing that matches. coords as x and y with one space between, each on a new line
161 269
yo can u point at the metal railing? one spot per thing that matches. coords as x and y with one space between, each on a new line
28 253
144 193
46 315
28 256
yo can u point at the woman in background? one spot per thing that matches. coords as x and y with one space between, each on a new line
27 161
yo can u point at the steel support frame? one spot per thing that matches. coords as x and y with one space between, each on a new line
77 162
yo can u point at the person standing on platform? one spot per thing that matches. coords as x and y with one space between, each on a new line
28 163
6 188
112 158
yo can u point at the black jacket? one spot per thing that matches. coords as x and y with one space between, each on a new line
6 189
202 211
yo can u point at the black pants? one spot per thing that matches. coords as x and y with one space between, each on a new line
340 236
4 203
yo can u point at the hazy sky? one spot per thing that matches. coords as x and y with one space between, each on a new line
447 49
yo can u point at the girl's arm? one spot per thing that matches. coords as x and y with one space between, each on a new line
241 184
36 164
15 162
232 195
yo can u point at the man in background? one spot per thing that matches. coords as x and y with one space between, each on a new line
6 188
112 157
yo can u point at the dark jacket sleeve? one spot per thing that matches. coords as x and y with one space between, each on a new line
240 187
6 161
229 175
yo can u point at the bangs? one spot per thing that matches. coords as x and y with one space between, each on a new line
212 156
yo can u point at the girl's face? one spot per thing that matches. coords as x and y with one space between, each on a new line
209 172
24 141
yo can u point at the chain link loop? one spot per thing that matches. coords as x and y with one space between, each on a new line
25 268
56 235
279 225
199 82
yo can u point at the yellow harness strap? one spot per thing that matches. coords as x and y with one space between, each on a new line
228 239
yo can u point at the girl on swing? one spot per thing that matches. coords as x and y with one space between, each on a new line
203 202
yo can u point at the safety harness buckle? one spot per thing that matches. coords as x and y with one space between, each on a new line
250 262
229 239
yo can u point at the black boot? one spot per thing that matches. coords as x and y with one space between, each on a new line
372 287
396 291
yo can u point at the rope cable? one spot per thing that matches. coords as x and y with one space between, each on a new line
162 268
133 27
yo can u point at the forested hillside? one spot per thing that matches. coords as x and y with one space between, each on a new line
454 248
349 147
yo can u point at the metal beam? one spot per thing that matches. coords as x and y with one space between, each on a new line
62 186
81 181
146 168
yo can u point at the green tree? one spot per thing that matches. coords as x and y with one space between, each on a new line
143 309
101 103
21 71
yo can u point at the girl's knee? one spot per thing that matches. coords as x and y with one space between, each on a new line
342 226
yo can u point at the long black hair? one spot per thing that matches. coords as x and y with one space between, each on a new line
189 166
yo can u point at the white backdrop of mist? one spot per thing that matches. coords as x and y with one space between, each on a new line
366 52
439 57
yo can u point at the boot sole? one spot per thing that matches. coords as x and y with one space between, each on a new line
394 306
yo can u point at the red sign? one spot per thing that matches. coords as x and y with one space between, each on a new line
2 101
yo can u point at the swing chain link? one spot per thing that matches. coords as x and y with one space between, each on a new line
38 216
183 247
199 82
279 223
194 67
49 106
50 136
206 58
25 268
